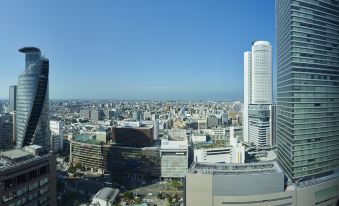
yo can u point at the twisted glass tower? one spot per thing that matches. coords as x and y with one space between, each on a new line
32 100
308 87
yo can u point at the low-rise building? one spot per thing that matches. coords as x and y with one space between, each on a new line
105 197
213 155
174 158
254 184
141 136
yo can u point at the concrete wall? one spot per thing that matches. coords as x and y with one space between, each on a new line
199 190
204 189
238 185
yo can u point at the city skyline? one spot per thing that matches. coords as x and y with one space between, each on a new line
127 60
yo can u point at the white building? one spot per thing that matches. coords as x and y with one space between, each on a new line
238 150
213 155
105 197
262 73
247 91
174 158
257 91
198 138
57 135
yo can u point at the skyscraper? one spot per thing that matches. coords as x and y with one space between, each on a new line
12 98
32 100
257 93
307 87
247 90
261 73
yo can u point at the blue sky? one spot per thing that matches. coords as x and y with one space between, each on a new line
135 49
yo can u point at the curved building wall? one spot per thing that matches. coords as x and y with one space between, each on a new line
217 190
32 101
261 73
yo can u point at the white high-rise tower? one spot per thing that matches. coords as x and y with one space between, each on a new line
257 93
247 91
261 72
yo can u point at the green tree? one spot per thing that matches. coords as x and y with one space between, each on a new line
127 195
72 169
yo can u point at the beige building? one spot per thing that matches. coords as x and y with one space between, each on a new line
255 185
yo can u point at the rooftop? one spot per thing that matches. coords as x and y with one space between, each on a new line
15 154
15 157
107 193
29 50
234 169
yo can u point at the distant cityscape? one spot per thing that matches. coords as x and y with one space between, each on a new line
254 151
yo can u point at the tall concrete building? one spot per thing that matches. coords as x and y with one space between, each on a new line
261 73
12 98
27 178
247 91
6 131
257 93
32 100
307 35
57 135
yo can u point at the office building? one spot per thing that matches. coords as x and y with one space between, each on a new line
307 36
213 155
108 114
261 73
259 124
12 99
257 94
212 121
247 91
119 161
32 102
57 135
96 115
273 116
85 113
6 131
141 136
174 158
27 178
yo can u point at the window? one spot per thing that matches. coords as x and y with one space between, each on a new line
43 181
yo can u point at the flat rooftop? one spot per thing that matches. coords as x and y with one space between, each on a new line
107 193
15 154
235 169
16 157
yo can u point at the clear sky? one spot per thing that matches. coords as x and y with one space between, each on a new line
135 49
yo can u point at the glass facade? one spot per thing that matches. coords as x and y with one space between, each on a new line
259 125
308 87
32 101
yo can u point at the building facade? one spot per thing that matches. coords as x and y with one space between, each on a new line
6 131
12 98
253 184
307 36
119 161
133 136
174 158
32 113
57 135
257 93
27 179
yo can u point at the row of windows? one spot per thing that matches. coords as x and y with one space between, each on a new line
20 179
24 190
